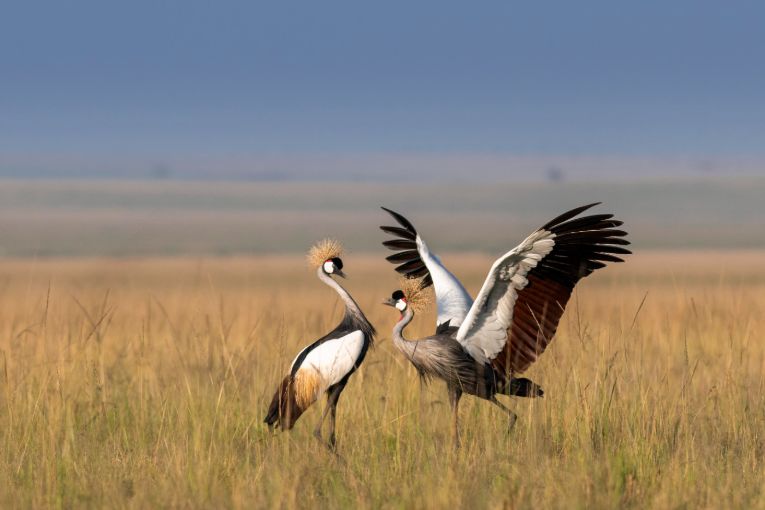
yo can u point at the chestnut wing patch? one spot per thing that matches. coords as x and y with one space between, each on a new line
536 315
582 245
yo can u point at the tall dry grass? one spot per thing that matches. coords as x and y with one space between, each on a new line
140 383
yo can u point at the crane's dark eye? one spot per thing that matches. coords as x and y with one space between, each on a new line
338 263
397 295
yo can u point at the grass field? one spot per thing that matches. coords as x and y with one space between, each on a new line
143 382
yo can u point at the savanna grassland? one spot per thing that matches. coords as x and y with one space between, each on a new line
144 382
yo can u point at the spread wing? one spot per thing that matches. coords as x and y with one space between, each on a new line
517 311
416 260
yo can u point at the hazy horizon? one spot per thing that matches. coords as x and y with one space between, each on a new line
48 218
378 167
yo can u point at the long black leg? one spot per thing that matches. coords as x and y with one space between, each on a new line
454 399
331 442
317 430
512 417
332 398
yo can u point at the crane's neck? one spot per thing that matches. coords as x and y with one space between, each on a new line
398 330
351 307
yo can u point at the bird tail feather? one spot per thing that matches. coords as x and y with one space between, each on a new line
284 410
521 387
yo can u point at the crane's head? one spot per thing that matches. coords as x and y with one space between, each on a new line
397 300
334 266
326 255
411 295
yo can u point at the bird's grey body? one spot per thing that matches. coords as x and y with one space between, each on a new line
442 357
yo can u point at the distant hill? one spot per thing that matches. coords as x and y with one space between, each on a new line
372 167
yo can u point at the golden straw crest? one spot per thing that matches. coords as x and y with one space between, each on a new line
418 298
324 250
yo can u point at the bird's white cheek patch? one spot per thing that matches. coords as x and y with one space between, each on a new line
329 267
401 305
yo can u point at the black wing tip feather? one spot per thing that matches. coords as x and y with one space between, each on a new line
398 231
401 220
403 256
583 244
569 214
400 244
598 229
405 243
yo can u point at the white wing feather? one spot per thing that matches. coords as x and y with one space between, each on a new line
484 331
452 300
333 359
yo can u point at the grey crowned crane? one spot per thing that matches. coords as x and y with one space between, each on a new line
480 346
325 365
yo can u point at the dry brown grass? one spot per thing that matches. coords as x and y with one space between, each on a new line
140 383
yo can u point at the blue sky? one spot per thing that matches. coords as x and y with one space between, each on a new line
169 78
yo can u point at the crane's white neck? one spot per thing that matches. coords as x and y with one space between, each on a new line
350 304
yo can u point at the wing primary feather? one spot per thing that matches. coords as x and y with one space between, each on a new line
605 257
568 215
594 222
606 248
416 273
580 237
401 220
410 259
408 266
400 244
398 231
403 256
591 234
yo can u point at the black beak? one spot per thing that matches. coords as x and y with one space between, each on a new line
340 273
389 302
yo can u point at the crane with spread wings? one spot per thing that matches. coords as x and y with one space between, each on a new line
479 346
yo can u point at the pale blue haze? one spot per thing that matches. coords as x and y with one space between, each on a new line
170 78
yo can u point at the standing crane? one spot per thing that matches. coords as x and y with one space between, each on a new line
515 314
326 365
